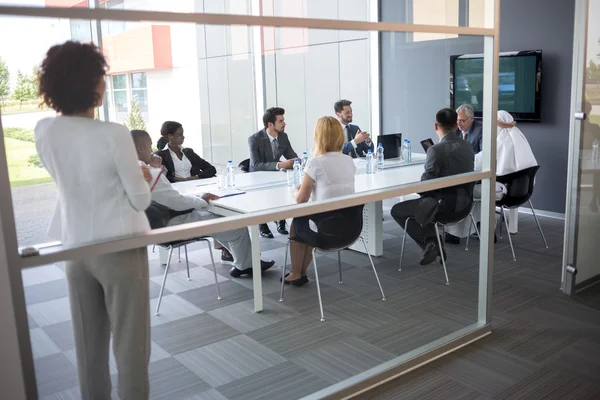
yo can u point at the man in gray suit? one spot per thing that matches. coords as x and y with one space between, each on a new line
468 128
358 143
451 156
267 147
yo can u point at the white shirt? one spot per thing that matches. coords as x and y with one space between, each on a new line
166 195
346 135
102 193
183 167
333 174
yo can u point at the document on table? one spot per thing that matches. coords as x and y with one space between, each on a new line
227 192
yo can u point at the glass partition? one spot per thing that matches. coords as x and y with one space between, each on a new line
228 332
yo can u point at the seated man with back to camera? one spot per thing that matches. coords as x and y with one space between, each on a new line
180 209
267 147
470 130
358 143
450 156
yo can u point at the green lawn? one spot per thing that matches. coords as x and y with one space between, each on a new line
20 172
13 107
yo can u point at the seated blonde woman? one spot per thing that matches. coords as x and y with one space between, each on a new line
329 174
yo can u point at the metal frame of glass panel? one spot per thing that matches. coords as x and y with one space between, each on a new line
20 376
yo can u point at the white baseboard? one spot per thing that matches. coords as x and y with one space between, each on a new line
542 213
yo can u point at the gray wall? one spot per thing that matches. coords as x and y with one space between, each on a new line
415 82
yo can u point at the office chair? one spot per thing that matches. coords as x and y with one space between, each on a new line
158 217
443 218
336 231
245 165
519 188
178 245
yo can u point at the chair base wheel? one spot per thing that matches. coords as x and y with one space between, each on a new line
281 300
447 283
322 319
340 283
189 279
219 298
157 314
383 299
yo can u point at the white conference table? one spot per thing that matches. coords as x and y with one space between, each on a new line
269 190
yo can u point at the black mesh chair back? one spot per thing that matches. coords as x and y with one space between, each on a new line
519 187
158 215
245 165
460 206
340 228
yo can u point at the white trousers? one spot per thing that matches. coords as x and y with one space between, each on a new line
236 241
110 293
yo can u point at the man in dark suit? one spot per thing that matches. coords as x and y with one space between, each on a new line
468 128
267 147
451 156
358 142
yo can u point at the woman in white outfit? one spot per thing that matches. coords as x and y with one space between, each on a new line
102 195
513 154
329 174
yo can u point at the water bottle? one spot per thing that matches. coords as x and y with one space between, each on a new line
409 150
380 157
405 154
303 161
297 172
595 155
370 162
230 175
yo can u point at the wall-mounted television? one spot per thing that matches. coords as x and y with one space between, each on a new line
519 83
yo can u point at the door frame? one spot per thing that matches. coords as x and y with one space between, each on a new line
578 79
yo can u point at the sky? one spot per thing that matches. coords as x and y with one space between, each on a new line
24 41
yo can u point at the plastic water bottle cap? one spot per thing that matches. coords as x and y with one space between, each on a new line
380 145
229 161
370 151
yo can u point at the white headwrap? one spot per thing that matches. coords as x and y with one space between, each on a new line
513 152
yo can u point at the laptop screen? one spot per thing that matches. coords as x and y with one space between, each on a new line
391 144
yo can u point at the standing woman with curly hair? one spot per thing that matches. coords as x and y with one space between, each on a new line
102 195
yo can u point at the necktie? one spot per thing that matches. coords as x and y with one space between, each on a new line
275 147
349 136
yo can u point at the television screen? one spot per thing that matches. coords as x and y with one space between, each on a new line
519 83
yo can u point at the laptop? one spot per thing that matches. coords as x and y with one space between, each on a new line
391 144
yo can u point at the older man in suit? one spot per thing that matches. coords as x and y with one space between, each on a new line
267 147
358 142
468 128
450 156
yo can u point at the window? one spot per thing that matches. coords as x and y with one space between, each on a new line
445 12
125 89
119 87
139 92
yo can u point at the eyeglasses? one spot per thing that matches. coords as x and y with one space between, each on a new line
462 121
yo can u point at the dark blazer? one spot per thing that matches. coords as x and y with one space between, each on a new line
474 135
200 167
451 156
261 153
361 148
